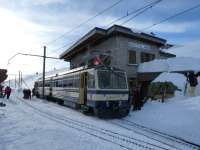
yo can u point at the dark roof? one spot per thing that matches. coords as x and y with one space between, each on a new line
99 33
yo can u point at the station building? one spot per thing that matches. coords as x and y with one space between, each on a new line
119 47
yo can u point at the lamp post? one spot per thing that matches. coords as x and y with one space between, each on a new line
44 64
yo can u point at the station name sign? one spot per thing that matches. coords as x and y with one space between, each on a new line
143 46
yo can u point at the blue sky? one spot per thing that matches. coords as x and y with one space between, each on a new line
36 22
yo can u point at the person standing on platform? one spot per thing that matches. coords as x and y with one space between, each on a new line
192 79
7 92
136 98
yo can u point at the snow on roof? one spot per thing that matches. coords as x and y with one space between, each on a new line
176 78
176 64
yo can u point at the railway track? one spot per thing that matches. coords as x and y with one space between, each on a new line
156 135
121 140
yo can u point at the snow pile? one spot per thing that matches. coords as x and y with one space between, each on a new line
157 65
176 78
176 64
178 117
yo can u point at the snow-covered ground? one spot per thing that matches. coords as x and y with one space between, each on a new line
178 117
38 124
42 125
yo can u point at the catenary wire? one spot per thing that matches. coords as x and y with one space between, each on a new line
134 12
171 17
84 22
142 11
139 10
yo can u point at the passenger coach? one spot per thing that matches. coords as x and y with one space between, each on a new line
102 90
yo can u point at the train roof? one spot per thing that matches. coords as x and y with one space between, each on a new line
65 72
80 69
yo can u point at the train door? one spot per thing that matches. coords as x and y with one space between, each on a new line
83 88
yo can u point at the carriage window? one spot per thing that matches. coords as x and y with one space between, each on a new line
76 81
59 83
64 83
53 84
40 84
90 80
68 82
111 80
46 84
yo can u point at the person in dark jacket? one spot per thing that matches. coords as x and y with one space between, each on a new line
193 82
7 92
29 94
136 98
33 92
1 91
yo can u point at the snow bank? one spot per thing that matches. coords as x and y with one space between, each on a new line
176 78
171 65
178 117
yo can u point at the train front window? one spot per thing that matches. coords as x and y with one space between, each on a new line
90 80
111 80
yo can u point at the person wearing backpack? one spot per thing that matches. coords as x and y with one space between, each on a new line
193 82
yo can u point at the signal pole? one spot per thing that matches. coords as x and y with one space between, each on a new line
43 75
15 82
19 79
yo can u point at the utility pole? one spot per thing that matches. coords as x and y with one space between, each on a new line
15 82
43 75
19 79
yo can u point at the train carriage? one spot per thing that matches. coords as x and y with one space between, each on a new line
102 90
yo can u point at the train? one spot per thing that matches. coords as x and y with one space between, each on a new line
100 90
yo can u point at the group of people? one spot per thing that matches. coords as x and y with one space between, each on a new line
28 93
5 92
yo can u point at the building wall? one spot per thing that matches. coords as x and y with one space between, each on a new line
119 46
124 45
103 47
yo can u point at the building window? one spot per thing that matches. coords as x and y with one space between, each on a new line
145 57
132 57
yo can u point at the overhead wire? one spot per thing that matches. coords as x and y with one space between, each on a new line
171 17
137 12
142 11
155 24
84 22
134 12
